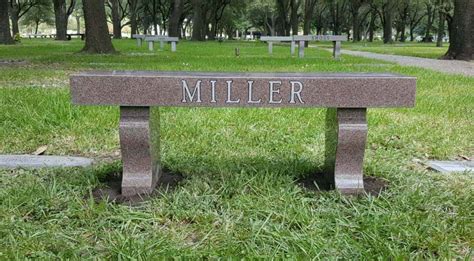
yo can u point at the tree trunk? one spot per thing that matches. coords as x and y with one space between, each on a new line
402 33
175 17
213 32
295 4
60 18
14 15
355 26
283 9
355 6
36 26
387 26
462 40
430 12
441 18
308 15
133 16
78 24
403 23
5 35
198 21
97 32
373 17
116 23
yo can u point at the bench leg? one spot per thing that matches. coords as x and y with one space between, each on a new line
301 49
173 47
293 47
150 45
270 47
336 52
346 136
139 42
162 45
140 145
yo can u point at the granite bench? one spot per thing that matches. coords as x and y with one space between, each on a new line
140 94
37 36
278 39
162 39
140 38
336 39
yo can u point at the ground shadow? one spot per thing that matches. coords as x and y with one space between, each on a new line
110 189
316 182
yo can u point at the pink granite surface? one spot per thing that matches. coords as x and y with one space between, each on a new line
243 90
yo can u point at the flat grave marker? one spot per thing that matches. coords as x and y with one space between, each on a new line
451 166
34 162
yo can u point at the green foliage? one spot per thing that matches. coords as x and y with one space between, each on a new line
17 38
40 13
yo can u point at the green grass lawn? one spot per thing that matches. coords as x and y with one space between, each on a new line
423 50
240 196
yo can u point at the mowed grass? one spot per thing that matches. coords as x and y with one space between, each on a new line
240 196
416 49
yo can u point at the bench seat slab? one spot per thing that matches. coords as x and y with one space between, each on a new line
140 145
346 137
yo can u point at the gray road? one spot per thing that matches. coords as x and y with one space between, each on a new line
446 66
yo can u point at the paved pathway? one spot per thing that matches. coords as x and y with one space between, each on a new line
446 66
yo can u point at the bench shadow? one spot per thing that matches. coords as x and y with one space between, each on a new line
313 180
317 183
109 188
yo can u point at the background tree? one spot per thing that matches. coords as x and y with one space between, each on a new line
430 16
294 17
322 19
385 9
401 19
338 12
308 16
263 16
39 14
62 11
462 32
174 27
5 35
97 32
445 8
134 7
283 8
118 12
78 14
17 9
216 14
355 7
198 20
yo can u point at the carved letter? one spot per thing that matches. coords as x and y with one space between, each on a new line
273 91
213 91
196 91
229 93
250 83
295 92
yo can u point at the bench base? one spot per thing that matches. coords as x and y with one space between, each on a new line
140 145
336 51
346 136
